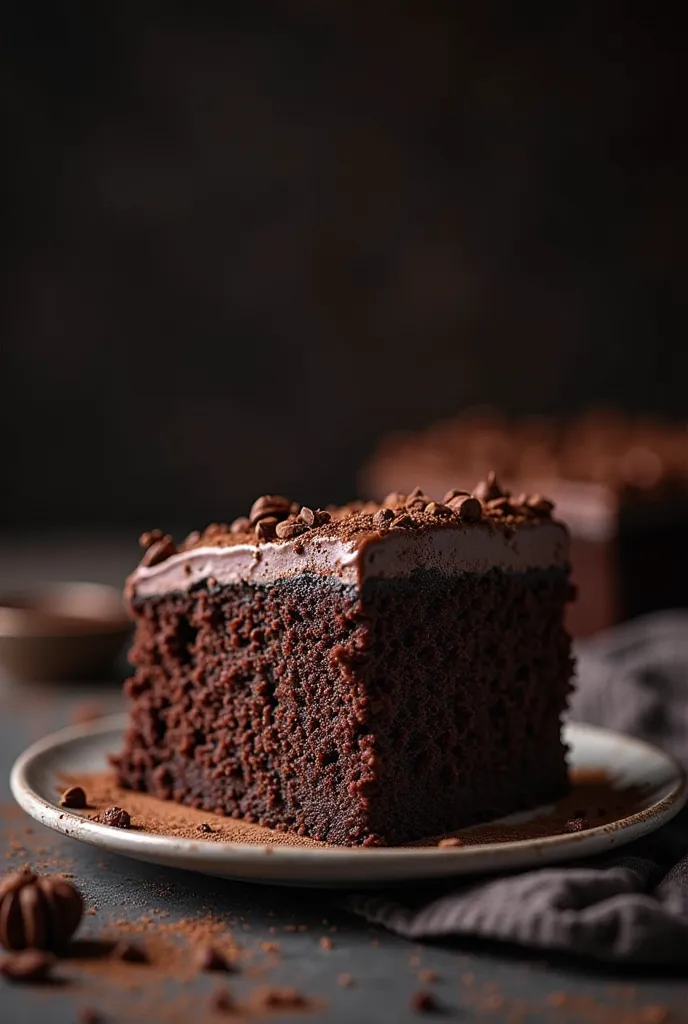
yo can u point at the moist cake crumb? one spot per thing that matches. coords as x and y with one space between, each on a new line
402 676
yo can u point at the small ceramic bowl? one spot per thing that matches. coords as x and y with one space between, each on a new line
61 631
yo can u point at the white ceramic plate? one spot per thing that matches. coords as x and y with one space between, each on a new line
36 775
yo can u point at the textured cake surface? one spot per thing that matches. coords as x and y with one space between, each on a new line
358 708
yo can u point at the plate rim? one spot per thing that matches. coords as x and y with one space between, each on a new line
501 856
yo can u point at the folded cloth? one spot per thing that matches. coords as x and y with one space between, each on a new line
632 906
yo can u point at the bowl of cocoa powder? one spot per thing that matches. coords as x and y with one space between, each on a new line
61 631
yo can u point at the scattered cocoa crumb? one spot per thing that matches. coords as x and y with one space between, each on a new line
269 947
280 999
222 1001
74 798
345 980
90 1016
492 1001
116 817
130 953
326 943
27 966
424 1002
414 961
210 958
204 827
428 976
451 841
289 928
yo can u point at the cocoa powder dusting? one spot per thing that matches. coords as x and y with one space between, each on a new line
595 800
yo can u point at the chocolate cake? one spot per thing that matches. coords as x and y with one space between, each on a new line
621 485
365 675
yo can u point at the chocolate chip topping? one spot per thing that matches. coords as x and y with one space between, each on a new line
275 518
241 524
159 550
438 509
116 817
150 537
269 505
394 500
539 504
417 500
383 518
290 528
488 489
453 493
265 528
467 508
38 912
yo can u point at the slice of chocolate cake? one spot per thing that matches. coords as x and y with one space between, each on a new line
620 483
368 675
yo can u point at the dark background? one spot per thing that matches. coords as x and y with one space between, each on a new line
245 241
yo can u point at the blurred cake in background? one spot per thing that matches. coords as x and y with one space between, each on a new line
620 483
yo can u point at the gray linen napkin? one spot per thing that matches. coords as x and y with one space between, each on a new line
632 906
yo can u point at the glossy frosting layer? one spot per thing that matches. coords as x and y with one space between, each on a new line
389 554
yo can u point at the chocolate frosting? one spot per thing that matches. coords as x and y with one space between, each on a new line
363 541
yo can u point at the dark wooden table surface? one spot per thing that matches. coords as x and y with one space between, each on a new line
472 983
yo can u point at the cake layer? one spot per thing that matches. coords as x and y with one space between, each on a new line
357 715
